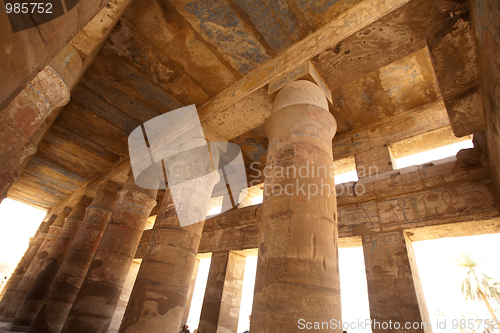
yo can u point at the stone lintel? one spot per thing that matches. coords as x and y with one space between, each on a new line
472 206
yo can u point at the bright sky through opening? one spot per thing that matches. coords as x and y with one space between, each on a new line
432 155
18 222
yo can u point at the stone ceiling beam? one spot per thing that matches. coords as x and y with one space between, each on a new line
354 50
25 53
413 122
454 58
87 44
123 166
356 18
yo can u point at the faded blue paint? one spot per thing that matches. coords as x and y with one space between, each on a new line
41 163
84 143
78 127
47 187
109 90
315 10
220 24
62 187
52 191
65 183
99 106
75 163
42 203
367 98
253 149
273 19
150 94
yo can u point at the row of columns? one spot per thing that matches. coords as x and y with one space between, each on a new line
34 245
394 289
35 267
76 288
79 262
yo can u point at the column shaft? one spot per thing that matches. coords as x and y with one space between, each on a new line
125 296
25 263
221 305
29 277
95 304
48 269
297 270
75 265
22 266
162 285
394 289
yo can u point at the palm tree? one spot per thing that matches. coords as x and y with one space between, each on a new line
477 286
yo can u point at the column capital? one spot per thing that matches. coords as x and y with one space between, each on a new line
300 92
106 197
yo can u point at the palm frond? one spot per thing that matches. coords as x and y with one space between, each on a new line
475 284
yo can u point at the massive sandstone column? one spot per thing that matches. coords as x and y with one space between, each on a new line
221 304
99 294
49 267
24 263
159 295
29 277
394 289
297 271
162 285
49 90
125 296
75 265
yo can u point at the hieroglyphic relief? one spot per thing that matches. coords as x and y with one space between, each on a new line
470 198
359 214
461 200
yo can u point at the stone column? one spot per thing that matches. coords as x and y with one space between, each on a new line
297 270
75 265
125 296
24 263
394 289
162 285
29 277
99 294
189 299
22 266
49 90
49 267
221 304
